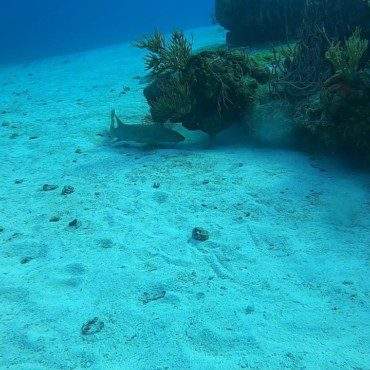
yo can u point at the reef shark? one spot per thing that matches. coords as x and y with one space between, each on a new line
152 134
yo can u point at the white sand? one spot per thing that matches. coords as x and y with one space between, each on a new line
283 281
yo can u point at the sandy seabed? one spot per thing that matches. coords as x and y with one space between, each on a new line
108 276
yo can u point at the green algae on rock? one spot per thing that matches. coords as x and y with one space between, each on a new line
207 91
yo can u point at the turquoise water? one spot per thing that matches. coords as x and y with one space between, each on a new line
232 254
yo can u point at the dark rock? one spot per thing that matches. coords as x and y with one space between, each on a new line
253 21
25 260
18 181
200 234
49 187
1 229
75 223
92 326
152 296
68 189
156 185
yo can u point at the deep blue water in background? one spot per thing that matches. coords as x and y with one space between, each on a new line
32 29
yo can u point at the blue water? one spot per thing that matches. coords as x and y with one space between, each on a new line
38 28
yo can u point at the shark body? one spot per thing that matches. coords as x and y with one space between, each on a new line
152 134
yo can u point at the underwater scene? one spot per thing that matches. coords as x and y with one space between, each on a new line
185 185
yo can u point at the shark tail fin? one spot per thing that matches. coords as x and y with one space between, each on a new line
112 119
117 120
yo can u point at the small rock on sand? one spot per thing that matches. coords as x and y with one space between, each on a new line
54 218
49 187
147 297
25 260
92 326
200 234
75 224
68 189
249 310
106 243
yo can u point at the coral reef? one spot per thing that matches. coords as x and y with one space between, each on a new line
321 78
338 114
346 59
206 91
324 76
303 67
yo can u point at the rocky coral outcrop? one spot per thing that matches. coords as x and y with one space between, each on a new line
207 91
